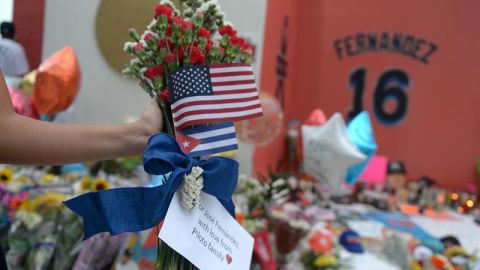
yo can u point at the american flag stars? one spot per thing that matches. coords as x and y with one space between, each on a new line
191 82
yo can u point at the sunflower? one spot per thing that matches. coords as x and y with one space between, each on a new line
455 251
45 201
86 183
6 175
325 261
100 184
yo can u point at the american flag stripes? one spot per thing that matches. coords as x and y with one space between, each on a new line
208 139
204 94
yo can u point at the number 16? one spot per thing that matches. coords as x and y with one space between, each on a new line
392 84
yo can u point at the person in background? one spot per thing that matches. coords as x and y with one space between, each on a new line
13 60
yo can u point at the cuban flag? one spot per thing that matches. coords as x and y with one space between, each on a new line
218 93
208 139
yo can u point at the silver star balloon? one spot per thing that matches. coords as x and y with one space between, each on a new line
328 151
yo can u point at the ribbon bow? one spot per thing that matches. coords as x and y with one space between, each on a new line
140 208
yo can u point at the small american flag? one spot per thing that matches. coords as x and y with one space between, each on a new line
208 139
211 94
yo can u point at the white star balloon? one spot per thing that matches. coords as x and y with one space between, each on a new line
328 152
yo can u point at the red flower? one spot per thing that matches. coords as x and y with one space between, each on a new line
181 54
138 47
162 10
175 20
161 44
246 47
187 24
222 51
169 31
227 30
197 57
165 95
210 44
170 58
148 37
237 41
203 32
154 72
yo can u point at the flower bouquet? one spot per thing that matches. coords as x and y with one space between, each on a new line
321 250
188 56
195 33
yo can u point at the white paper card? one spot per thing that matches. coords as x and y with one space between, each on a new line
207 236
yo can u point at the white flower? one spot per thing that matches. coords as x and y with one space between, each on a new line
279 214
142 72
128 46
280 194
188 11
279 182
299 224
29 219
135 61
196 171
154 35
191 188
152 24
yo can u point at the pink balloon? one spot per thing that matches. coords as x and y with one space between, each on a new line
22 103
262 130
316 118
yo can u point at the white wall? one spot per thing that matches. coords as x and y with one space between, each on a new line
6 10
105 97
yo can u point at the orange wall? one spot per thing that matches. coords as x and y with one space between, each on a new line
28 19
440 134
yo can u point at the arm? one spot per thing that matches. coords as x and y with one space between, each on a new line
28 141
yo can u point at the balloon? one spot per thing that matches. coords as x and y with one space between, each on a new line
360 132
262 130
22 103
328 152
57 82
316 118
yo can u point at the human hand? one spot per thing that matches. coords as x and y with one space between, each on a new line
152 118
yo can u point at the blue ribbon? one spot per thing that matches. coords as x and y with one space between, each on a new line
140 208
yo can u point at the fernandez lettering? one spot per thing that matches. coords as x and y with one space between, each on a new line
419 49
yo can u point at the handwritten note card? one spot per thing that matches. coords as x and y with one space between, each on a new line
207 236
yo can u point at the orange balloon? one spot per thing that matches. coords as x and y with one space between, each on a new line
57 82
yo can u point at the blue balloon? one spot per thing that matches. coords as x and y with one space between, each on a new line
360 132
